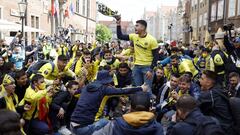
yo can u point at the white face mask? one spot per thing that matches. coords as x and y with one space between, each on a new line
108 60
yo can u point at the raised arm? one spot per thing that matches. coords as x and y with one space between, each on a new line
119 31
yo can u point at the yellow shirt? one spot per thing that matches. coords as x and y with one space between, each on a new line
62 50
91 70
31 96
185 66
114 65
51 75
143 49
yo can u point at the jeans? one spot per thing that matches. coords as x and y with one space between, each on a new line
38 128
139 76
88 130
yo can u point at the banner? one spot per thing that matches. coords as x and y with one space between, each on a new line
103 9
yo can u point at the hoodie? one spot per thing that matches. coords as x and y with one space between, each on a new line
90 100
134 123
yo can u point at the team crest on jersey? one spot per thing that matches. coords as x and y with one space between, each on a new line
45 72
146 43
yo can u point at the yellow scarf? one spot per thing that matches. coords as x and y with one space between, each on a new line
9 99
180 93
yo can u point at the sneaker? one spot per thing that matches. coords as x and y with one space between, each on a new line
64 131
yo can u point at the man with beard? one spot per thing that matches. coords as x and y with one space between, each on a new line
124 75
181 67
234 85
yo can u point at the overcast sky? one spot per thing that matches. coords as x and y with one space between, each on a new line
133 9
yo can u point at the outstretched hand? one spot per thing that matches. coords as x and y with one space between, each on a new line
145 87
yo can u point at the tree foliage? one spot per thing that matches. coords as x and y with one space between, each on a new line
103 34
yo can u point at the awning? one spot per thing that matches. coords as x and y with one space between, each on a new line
5 22
11 26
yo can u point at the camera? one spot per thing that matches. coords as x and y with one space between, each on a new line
228 27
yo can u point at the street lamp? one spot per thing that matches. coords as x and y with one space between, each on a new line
170 30
22 10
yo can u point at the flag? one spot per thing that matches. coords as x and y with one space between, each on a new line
66 11
66 14
53 7
71 8
56 4
106 10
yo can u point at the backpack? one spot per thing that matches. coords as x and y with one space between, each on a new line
206 126
33 69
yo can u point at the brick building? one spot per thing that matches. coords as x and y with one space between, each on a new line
38 16
223 12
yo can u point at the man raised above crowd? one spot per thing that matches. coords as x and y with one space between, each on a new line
145 52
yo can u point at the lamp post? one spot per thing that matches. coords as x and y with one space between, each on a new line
22 10
170 30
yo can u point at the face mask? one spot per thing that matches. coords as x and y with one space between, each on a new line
204 55
108 60
42 86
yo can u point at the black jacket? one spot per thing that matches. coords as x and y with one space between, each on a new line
189 125
157 84
21 90
212 103
61 100
124 81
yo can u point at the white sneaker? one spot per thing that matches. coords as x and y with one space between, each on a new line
64 131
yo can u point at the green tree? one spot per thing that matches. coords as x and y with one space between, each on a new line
103 34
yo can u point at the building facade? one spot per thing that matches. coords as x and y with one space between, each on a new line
159 20
82 17
223 12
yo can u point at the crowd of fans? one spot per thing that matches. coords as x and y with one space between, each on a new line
55 86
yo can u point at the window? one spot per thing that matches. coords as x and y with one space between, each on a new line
32 36
213 12
77 6
89 8
220 9
238 7
194 23
194 2
84 7
32 21
200 19
37 22
1 13
231 8
205 19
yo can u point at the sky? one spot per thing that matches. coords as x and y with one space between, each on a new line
133 9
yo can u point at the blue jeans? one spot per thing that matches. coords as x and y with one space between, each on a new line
139 76
38 128
88 130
